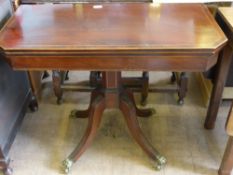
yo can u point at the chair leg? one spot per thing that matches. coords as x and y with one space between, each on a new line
173 77
145 88
183 87
57 81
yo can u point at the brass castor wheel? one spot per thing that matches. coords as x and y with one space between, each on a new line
8 171
160 163
67 164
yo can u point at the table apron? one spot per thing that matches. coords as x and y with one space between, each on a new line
114 63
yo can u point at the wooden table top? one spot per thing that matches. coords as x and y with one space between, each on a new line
111 26
142 30
227 14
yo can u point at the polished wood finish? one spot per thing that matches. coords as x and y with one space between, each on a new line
223 66
111 94
112 38
198 45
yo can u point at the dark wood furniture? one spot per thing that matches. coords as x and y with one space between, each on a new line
225 21
224 17
137 84
100 38
227 161
15 95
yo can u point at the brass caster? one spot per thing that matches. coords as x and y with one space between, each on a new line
162 160
67 164
159 162
73 114
158 167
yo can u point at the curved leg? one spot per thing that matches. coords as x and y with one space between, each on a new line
145 88
129 113
84 113
140 112
96 111
57 81
183 86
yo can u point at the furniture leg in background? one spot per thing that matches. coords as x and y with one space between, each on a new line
227 161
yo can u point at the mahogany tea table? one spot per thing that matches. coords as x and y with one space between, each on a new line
112 38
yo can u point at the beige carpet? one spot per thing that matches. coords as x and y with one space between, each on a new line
49 135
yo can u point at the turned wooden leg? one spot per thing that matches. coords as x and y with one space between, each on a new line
227 161
129 113
84 113
219 83
96 111
57 81
145 87
140 112
183 87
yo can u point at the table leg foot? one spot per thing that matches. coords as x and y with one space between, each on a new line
140 112
66 165
84 113
129 112
97 107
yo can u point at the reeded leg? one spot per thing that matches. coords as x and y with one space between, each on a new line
57 81
145 88
129 113
96 111
84 113
140 112
183 87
